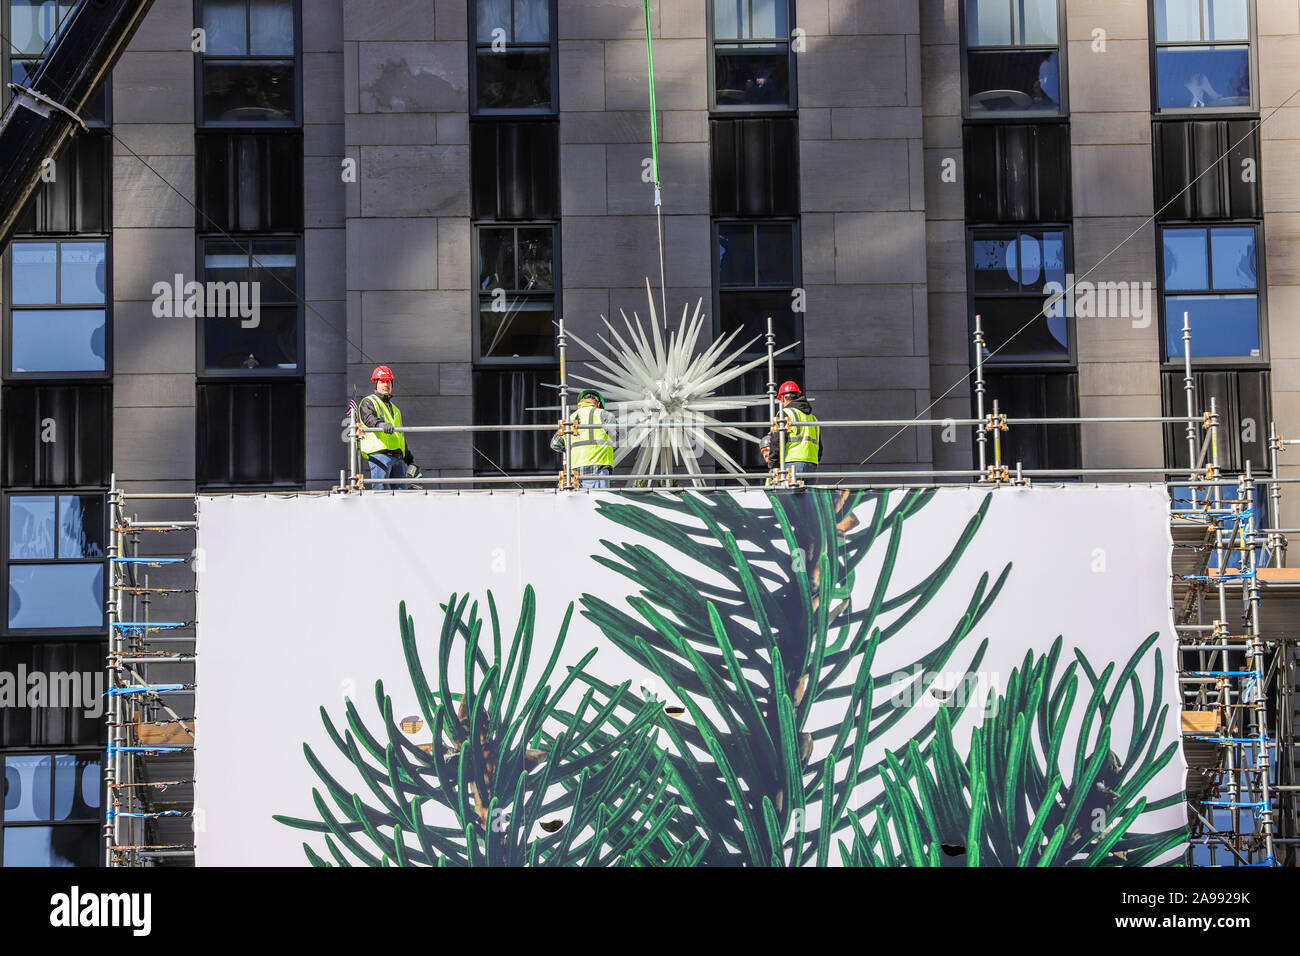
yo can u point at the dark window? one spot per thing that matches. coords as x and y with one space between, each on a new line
1035 395
1014 274
515 169
250 305
54 562
757 277
515 397
753 65
517 291
754 382
52 809
56 436
514 56
75 194
755 166
251 433
1203 55
77 720
1013 58
58 291
1017 173
248 72
1211 276
250 182
1242 401
1220 161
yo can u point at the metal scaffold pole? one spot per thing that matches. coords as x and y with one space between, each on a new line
1189 387
562 342
771 395
980 437
1257 698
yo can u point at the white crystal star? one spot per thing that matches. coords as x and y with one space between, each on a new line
654 382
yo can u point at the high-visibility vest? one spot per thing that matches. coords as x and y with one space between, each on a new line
379 441
805 437
590 446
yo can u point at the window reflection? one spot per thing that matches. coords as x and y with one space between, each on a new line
56 595
57 340
51 846
1011 23
1014 82
1214 77
1212 262
31 527
27 787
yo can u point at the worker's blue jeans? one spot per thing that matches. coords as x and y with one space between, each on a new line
802 467
594 477
384 467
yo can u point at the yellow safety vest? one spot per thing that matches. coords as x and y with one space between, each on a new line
379 441
590 446
804 441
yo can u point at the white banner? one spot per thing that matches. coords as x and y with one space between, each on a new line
951 677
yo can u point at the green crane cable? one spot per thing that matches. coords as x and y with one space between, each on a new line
654 116
654 160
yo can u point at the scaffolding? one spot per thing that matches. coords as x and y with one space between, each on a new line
149 768
1237 670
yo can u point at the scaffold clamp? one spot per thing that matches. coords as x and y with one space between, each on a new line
996 422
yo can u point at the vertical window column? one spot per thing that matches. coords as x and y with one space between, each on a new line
1018 215
251 403
1211 236
754 192
514 159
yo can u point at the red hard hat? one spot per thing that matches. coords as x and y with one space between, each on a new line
382 374
788 388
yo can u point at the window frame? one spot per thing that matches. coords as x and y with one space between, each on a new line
1061 115
553 48
7 563
79 751
218 486
796 354
1040 432
482 464
201 123
1219 362
555 293
6 371
207 225
10 55
202 372
763 109
974 233
1252 44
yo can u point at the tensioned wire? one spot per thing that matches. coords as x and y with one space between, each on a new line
247 250
1052 300
653 121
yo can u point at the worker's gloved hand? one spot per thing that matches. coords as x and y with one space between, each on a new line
413 471
388 428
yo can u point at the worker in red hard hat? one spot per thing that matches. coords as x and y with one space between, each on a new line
382 442
803 445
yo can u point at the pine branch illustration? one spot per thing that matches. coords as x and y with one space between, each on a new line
525 782
1005 805
746 616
